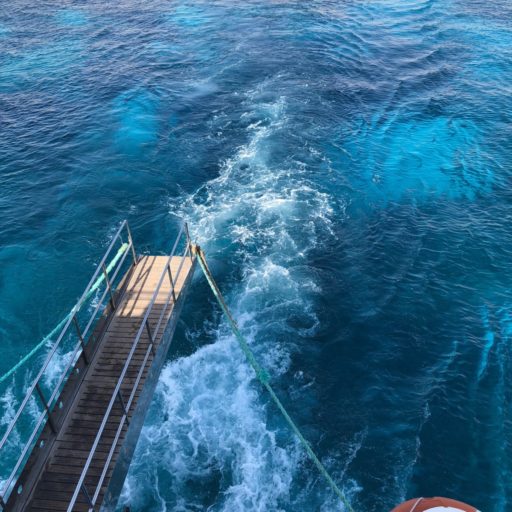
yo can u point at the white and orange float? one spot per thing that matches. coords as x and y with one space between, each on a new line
435 504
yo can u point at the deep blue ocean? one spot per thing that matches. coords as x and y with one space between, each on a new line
346 167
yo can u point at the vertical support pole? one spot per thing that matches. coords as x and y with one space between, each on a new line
45 405
151 339
123 405
130 241
87 496
82 343
107 280
189 243
172 283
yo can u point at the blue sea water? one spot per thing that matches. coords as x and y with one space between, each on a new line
346 167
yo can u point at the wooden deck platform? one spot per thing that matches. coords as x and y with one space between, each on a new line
54 474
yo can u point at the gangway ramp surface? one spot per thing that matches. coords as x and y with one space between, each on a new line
80 456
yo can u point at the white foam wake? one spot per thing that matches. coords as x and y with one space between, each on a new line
207 443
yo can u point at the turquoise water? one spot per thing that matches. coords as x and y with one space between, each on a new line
345 166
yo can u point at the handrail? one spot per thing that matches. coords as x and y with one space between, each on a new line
116 395
77 351
124 418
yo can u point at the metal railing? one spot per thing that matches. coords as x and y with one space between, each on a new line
70 330
117 395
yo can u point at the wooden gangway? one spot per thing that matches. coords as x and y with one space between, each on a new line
89 418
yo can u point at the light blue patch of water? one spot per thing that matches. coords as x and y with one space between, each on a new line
489 339
417 160
188 16
71 18
45 62
136 121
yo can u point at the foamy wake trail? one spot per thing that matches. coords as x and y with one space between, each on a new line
209 428
207 443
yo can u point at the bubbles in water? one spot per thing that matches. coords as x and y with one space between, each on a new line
210 420
8 406
136 116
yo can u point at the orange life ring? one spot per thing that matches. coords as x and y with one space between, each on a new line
434 505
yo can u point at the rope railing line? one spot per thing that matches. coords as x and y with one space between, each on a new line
61 324
264 378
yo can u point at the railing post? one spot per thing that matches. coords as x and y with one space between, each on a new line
123 405
87 495
151 339
45 405
172 283
189 242
130 241
107 280
81 338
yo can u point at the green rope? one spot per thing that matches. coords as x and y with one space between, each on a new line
264 377
61 324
